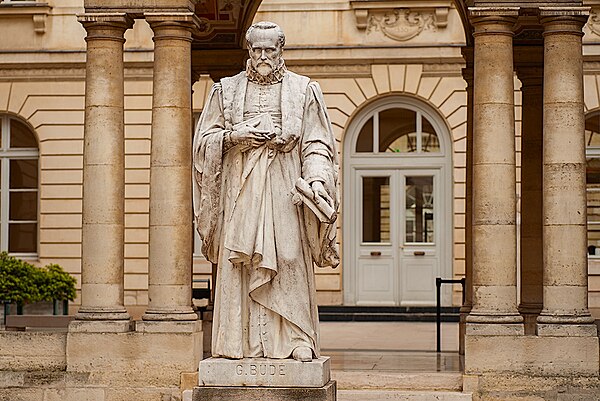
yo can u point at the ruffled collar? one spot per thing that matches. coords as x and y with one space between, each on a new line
275 77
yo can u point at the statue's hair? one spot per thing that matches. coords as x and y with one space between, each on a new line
266 25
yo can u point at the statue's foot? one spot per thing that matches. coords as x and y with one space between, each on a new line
302 354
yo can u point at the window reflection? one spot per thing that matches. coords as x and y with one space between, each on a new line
398 131
376 209
429 142
419 209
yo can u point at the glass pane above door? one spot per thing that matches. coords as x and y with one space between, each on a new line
398 131
365 138
419 213
376 209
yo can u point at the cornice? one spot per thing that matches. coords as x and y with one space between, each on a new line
33 72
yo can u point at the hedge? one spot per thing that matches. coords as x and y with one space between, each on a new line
21 282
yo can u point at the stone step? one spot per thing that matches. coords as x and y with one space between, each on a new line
343 313
391 380
394 395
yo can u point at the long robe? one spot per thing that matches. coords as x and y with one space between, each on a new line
263 243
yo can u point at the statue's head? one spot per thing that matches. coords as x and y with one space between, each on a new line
265 42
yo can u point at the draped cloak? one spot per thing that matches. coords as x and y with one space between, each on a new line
247 220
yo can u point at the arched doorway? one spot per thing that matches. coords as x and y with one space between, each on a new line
397 204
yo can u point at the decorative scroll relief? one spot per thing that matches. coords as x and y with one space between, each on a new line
401 24
401 20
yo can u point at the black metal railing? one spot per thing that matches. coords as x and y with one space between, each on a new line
438 295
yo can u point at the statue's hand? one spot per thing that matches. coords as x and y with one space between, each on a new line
319 189
249 135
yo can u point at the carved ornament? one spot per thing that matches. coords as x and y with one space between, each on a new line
400 24
594 21
401 20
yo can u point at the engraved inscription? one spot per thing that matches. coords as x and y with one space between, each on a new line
260 369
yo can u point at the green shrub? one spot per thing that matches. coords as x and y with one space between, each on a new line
21 282
59 285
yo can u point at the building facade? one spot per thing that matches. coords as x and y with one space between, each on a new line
390 74
457 125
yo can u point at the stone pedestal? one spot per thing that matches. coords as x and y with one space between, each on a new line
264 379
210 393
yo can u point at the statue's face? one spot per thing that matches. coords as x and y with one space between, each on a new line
265 50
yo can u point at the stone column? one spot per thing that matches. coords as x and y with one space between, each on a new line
102 253
171 235
531 78
465 309
494 309
565 311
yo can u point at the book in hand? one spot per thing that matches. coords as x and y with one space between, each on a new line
303 193
261 122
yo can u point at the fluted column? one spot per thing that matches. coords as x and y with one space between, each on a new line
103 171
531 77
565 309
494 309
170 264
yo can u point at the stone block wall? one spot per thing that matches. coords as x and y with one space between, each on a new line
145 364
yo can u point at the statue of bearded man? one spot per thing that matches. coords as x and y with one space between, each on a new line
265 197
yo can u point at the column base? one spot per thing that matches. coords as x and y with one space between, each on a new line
213 393
101 319
183 314
494 323
566 325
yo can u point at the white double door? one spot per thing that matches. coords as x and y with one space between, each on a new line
397 236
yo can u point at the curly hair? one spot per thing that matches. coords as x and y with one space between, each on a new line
266 25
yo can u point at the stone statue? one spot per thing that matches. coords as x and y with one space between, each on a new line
265 196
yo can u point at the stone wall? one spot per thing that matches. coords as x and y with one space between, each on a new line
148 364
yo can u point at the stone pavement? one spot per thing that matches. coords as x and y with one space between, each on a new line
393 361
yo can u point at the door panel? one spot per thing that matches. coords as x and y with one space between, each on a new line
419 259
376 271
398 235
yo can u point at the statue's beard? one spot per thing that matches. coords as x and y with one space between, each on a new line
264 69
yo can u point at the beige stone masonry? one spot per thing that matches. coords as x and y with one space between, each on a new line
103 171
532 355
170 253
494 309
565 311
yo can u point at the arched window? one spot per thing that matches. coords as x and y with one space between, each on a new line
397 130
18 187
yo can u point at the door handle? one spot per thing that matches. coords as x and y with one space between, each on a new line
419 253
375 253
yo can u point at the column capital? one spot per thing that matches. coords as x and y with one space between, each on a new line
493 20
107 26
183 22
564 20
121 20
